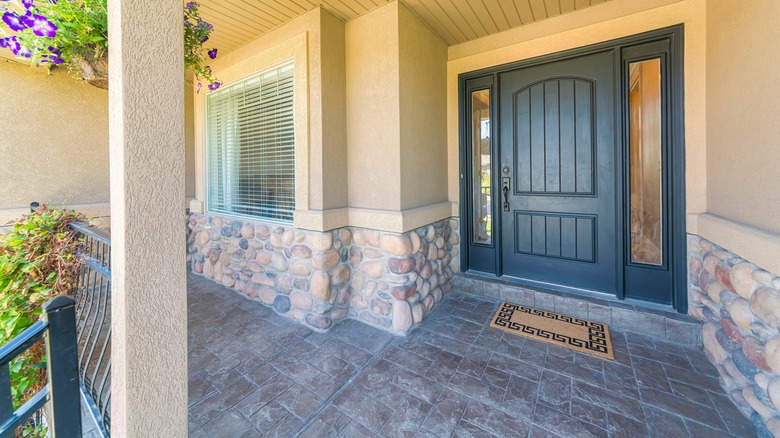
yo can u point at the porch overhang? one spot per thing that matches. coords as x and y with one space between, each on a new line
239 22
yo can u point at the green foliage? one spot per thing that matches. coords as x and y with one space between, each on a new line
82 30
79 32
38 260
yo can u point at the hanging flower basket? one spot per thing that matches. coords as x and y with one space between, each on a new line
93 69
74 33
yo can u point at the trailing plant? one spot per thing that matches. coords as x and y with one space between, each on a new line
39 259
74 33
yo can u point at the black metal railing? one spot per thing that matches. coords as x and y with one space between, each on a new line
93 315
57 327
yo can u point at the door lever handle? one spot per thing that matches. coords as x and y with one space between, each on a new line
505 183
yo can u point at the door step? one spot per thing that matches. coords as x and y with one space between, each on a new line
663 325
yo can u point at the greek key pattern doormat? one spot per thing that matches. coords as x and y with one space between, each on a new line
578 334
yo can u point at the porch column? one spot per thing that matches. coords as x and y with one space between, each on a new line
146 143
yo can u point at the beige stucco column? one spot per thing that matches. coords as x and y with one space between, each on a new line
146 139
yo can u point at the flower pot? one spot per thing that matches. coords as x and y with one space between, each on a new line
94 69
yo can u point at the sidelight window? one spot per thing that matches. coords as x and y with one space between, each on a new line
482 221
645 160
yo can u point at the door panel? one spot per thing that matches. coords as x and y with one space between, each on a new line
558 146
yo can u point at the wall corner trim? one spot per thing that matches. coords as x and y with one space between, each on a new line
760 247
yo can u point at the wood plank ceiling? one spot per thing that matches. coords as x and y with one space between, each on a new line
237 22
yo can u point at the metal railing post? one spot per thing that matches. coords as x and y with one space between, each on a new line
63 367
6 399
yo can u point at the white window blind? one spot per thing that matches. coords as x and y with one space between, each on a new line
251 147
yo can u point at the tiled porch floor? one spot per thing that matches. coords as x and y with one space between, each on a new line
255 373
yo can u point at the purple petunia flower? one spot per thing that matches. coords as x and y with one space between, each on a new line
27 3
204 39
56 60
24 52
14 21
4 42
212 53
191 5
43 27
200 84
214 85
28 18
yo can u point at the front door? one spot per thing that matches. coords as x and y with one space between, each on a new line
558 182
573 170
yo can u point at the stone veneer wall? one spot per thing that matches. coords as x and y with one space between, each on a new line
388 280
740 307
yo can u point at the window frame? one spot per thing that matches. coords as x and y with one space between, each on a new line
207 152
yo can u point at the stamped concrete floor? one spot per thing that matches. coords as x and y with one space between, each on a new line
255 373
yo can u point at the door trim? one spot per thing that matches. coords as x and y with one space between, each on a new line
676 160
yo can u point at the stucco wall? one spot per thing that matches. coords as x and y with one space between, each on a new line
373 113
54 142
743 105
320 152
423 103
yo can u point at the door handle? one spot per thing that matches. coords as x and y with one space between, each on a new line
505 184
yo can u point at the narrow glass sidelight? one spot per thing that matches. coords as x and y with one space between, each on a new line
645 160
482 217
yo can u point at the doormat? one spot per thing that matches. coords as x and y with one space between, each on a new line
578 334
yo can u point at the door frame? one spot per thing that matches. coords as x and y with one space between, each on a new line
675 160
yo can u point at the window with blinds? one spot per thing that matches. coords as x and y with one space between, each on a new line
251 147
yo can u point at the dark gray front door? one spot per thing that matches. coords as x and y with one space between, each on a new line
557 173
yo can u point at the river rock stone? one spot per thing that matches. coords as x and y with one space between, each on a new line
373 269
381 307
763 277
284 283
282 304
278 262
301 267
731 330
741 277
301 251
772 350
726 342
265 294
262 231
762 331
418 312
300 300
722 274
318 321
712 347
340 276
325 261
401 265
403 292
754 351
396 244
372 238
320 241
744 365
765 303
320 286
773 389
750 397
741 314
248 231
402 316
358 302
263 279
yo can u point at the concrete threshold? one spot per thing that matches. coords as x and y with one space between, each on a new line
657 323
